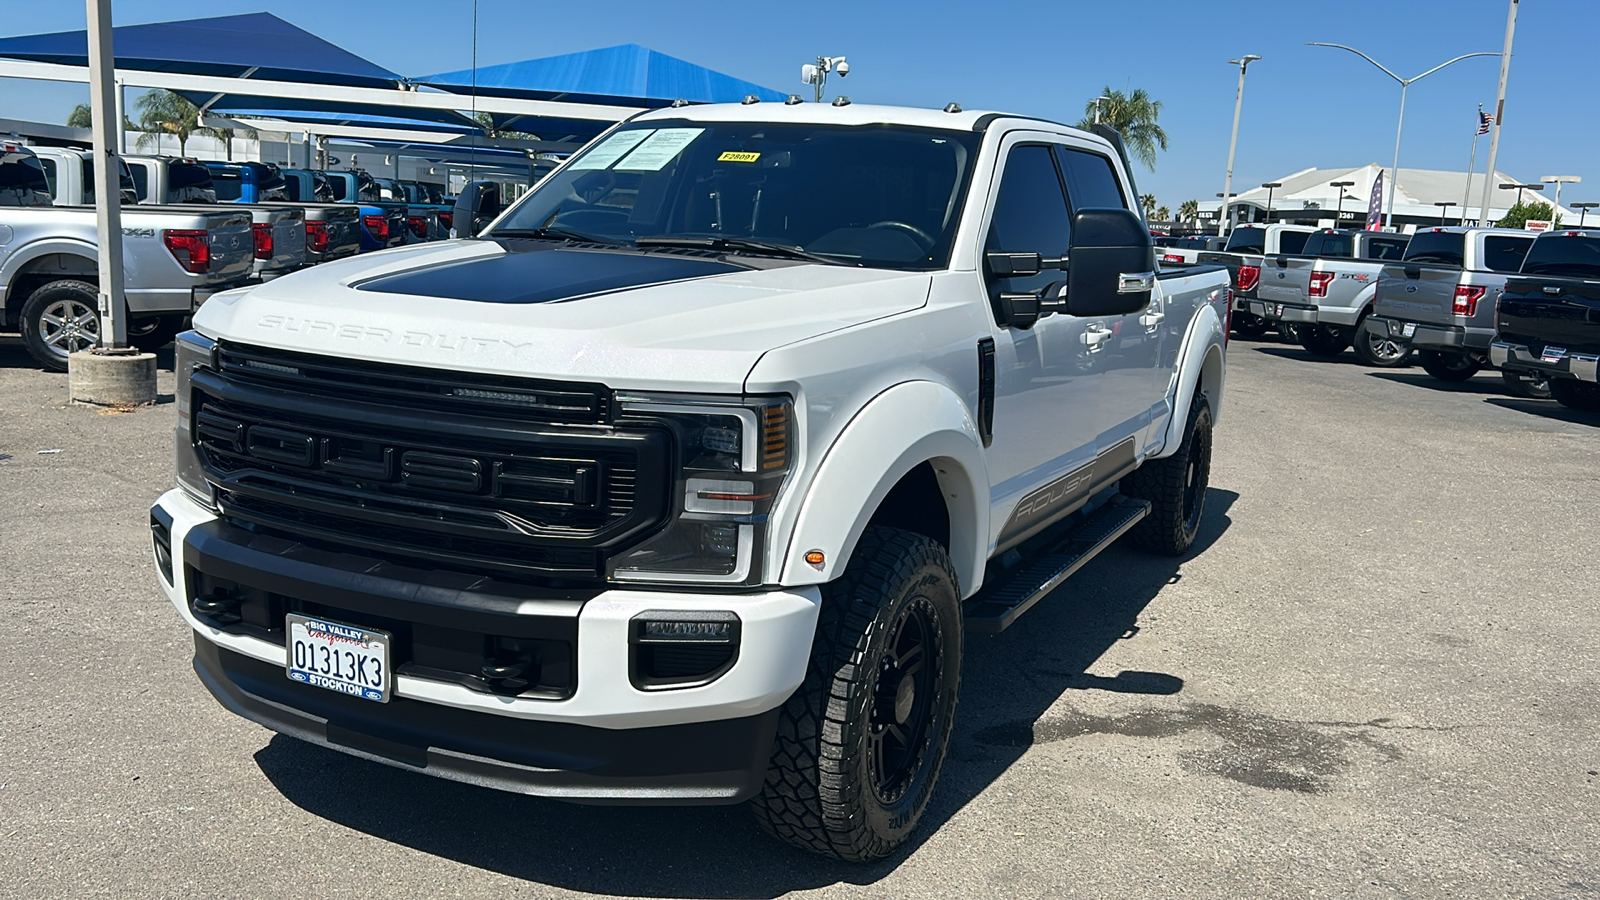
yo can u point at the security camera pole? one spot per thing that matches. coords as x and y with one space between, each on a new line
817 75
107 177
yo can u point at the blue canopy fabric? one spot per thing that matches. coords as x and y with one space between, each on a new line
625 75
255 45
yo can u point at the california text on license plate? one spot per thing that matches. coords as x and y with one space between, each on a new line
1409 329
343 658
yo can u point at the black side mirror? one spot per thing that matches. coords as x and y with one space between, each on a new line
1111 264
476 206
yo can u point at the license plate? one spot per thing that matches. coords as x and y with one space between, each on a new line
343 658
1553 354
1409 329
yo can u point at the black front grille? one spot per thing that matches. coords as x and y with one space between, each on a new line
460 488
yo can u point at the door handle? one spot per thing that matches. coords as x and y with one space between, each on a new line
1152 319
1094 338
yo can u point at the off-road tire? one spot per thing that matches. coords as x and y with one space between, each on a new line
1573 394
1320 340
37 332
1525 385
1289 331
1380 352
1448 366
1176 488
151 333
1248 324
822 792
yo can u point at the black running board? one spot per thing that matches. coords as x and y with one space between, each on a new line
996 606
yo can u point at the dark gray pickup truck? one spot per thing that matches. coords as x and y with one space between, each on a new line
1547 324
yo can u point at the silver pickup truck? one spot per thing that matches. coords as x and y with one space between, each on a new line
1439 299
1247 246
173 260
331 230
1326 290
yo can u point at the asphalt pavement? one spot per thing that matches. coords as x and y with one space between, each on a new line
1375 676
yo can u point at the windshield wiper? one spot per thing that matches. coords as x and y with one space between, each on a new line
735 244
555 234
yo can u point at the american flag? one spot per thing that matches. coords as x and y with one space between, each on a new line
1485 120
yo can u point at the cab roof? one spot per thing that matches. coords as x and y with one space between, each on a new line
849 114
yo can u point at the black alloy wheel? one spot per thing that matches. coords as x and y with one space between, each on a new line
904 705
1448 366
1176 488
1528 385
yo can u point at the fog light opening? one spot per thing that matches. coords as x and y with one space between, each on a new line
681 648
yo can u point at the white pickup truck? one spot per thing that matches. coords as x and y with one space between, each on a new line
1248 246
49 264
683 480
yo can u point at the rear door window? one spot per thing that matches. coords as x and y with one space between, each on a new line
1504 254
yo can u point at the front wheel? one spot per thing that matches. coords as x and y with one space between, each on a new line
1380 350
151 333
1580 395
1176 488
1449 366
1320 340
861 742
1526 385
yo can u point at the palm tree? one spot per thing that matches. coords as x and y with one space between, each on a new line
1189 210
226 136
491 130
1133 114
82 117
1163 214
1148 201
163 112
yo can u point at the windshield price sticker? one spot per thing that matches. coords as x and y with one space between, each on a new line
612 149
660 148
738 156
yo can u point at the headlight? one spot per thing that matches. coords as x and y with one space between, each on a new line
191 351
733 455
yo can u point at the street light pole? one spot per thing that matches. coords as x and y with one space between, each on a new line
1405 83
107 176
1338 212
1097 102
1558 181
1243 63
1519 188
1271 186
1444 210
1583 211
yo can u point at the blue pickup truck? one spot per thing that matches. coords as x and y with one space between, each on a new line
406 225
382 224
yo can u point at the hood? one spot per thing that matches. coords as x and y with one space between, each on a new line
641 321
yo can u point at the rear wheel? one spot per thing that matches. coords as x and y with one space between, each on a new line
1380 350
151 333
1449 366
1526 384
1248 324
1176 488
1320 340
1289 332
1576 394
861 742
60 318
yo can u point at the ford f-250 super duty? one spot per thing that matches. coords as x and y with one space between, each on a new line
1439 300
1547 326
683 481
1326 290
49 265
1248 245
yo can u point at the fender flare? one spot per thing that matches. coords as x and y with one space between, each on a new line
20 258
1201 362
907 425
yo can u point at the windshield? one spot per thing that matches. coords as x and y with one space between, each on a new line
1247 240
1443 247
882 196
189 182
1572 256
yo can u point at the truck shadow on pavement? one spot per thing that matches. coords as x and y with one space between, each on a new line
1009 681
1487 382
1548 409
1300 354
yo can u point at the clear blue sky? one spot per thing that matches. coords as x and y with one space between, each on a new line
1304 106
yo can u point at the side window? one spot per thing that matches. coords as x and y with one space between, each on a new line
1292 241
1030 215
141 181
49 173
1504 254
1091 180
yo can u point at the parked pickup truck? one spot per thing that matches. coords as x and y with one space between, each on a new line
49 257
387 222
1247 246
1325 290
1186 251
330 230
70 174
1439 300
1547 325
378 226
659 494
425 219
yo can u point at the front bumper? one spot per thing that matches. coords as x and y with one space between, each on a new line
1425 336
1521 358
603 739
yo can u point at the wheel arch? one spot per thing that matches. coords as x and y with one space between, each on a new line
912 439
1202 367
31 265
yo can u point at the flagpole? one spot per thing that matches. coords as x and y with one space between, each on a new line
1466 193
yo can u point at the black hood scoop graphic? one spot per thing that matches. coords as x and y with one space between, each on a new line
545 273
